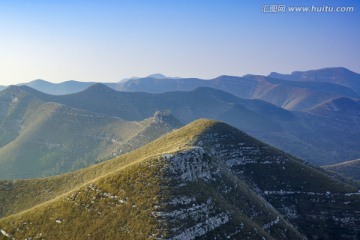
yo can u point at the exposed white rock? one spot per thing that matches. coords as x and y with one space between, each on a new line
195 211
272 223
202 228
230 235
4 233
283 192
167 156
344 219
181 200
239 161
240 154
189 165
352 194
290 212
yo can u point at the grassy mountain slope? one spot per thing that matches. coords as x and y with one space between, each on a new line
349 169
206 180
45 138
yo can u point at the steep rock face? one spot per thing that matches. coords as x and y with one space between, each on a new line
189 217
297 191
200 203
188 166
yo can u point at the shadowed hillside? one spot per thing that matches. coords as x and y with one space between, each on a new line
350 169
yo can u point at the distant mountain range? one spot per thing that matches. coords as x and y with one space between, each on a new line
206 180
297 91
284 93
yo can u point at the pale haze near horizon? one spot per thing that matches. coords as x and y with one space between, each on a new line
97 41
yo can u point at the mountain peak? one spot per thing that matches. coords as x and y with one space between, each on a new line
167 118
322 73
38 81
153 76
205 131
16 89
99 88
157 76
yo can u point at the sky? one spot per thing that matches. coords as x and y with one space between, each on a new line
106 41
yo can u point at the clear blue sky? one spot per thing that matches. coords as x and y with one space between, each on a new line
107 40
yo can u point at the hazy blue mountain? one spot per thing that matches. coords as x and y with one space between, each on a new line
344 109
62 88
71 86
42 138
315 87
57 88
312 136
341 76
157 76
163 84
287 94
186 106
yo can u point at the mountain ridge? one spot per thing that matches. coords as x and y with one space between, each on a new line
205 180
